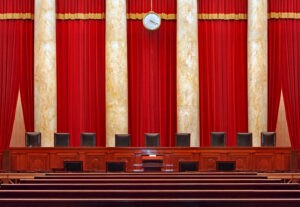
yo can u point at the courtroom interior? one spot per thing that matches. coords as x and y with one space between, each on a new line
150 102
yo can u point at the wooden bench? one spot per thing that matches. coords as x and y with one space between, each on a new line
144 176
153 173
150 180
149 194
151 186
150 202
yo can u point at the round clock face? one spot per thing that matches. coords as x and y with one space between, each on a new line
151 21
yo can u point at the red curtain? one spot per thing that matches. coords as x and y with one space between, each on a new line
16 66
284 64
152 74
222 70
27 73
81 70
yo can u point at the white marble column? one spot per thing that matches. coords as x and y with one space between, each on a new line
45 113
116 70
257 68
187 70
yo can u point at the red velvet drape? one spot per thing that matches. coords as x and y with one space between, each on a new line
152 74
222 71
284 64
27 72
16 66
81 71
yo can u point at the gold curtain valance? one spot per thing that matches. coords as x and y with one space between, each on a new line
222 16
79 16
139 16
284 15
14 16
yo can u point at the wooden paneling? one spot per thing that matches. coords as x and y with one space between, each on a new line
95 158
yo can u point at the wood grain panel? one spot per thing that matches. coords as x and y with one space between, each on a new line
95 158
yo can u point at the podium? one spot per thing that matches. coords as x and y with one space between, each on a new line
152 163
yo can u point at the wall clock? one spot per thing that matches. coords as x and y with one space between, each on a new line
151 21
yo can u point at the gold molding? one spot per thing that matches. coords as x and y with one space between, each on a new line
140 16
284 15
14 16
79 16
222 16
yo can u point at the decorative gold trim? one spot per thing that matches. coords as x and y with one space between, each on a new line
222 16
79 16
284 15
140 16
13 16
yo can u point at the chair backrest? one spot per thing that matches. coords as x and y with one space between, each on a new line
61 139
88 139
268 139
152 139
33 139
182 139
244 139
122 140
218 139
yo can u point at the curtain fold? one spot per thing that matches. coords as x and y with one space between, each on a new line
152 74
222 69
27 74
16 65
81 69
284 63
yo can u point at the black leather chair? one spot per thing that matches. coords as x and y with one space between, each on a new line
61 139
33 139
218 139
152 139
122 140
268 139
183 139
244 139
88 139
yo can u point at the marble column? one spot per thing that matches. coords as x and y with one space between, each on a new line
257 68
187 70
116 70
45 113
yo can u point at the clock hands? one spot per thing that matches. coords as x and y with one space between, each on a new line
153 22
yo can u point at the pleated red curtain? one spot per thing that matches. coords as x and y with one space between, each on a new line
16 65
222 69
152 73
284 64
81 68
